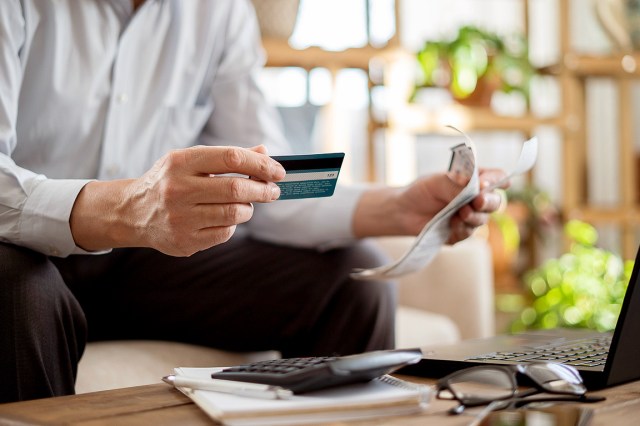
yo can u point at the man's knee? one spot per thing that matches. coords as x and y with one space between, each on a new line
370 295
364 255
373 304
42 327
28 280
362 313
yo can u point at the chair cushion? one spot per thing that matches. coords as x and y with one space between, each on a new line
416 328
118 364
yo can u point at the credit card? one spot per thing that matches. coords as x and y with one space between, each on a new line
309 176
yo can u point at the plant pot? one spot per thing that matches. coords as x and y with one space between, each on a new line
277 18
505 231
482 95
504 260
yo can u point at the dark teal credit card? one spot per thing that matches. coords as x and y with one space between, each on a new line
309 176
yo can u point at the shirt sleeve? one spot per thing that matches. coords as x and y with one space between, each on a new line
34 210
320 223
243 117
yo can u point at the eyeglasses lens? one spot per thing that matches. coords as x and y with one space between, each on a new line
556 378
482 385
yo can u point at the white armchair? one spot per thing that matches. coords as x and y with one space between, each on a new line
452 298
457 285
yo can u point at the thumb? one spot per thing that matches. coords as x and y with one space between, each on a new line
260 149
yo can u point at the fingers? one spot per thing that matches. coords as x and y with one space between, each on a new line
490 177
217 215
198 240
185 232
459 230
473 215
202 174
478 211
227 189
487 202
490 201
227 159
261 149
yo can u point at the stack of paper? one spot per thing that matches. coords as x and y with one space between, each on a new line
386 396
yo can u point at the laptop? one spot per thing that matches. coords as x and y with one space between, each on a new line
603 359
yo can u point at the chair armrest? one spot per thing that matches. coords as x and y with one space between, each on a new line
458 283
124 363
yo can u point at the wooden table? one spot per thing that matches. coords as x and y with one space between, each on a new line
162 405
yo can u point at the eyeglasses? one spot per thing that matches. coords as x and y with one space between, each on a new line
483 385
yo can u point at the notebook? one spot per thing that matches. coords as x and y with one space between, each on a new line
384 396
620 351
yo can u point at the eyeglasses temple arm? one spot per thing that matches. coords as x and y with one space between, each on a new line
517 403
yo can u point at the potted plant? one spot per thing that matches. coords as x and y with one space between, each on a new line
583 288
529 215
475 64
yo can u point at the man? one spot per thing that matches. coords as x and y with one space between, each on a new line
135 112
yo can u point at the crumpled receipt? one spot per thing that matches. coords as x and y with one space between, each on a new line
436 232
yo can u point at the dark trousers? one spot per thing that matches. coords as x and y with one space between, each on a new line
243 295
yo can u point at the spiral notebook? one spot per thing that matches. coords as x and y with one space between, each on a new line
384 396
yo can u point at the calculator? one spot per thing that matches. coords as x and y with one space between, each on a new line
313 373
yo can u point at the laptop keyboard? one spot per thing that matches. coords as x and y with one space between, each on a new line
579 353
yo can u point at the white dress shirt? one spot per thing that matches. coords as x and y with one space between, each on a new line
93 90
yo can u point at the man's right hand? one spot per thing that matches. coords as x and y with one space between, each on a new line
182 205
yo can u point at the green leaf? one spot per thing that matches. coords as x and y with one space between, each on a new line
581 232
582 288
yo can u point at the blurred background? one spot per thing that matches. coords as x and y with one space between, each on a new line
380 80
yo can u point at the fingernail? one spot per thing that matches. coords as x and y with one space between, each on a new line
496 202
278 171
275 191
486 200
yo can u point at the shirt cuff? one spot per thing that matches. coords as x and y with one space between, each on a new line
44 221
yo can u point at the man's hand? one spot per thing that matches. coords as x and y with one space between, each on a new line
477 212
182 205
405 211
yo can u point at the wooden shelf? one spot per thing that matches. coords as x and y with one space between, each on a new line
281 54
619 66
416 119
604 215
576 69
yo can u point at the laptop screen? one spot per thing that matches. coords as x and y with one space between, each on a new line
624 354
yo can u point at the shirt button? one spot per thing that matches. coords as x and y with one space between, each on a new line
122 98
54 252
